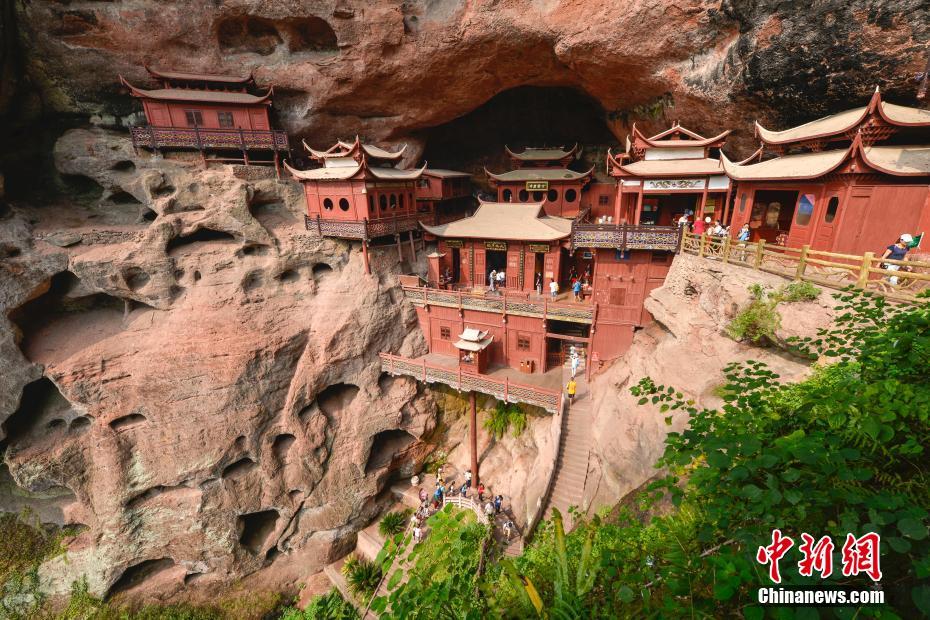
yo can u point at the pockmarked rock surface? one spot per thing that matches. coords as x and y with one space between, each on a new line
685 347
390 70
194 382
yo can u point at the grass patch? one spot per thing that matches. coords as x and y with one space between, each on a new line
329 606
503 417
758 321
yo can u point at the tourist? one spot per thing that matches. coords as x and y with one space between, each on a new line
415 519
492 279
575 362
480 492
743 235
468 477
439 475
489 510
417 534
897 251
718 230
464 490
576 290
683 220
498 503
508 529
570 388
423 495
699 226
553 289
437 494
539 284
501 279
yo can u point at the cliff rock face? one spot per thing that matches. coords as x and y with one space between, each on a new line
200 383
391 71
687 348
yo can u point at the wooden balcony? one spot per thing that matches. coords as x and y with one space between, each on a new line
200 139
502 389
364 229
517 305
625 236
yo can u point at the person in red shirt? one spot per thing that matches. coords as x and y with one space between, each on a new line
699 226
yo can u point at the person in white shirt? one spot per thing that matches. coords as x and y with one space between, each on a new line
554 289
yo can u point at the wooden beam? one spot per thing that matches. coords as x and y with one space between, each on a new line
473 437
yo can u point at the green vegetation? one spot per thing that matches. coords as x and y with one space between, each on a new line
759 320
503 417
329 606
362 575
394 522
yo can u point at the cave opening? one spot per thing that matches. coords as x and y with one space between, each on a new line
386 446
197 238
525 116
139 573
336 397
255 528
41 405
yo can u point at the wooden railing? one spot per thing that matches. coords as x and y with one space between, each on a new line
200 138
501 304
626 237
363 229
866 272
467 503
503 390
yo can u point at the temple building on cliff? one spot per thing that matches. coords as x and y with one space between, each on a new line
541 175
851 182
671 173
218 115
359 193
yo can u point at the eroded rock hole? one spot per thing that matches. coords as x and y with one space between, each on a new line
197 276
139 573
9 251
310 34
248 34
255 249
41 404
123 166
148 215
386 382
288 275
239 469
60 322
123 198
336 397
282 445
519 117
385 447
321 270
252 280
272 553
127 421
255 528
163 190
81 188
196 239
79 424
135 278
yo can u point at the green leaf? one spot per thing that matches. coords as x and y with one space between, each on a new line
921 597
912 528
626 594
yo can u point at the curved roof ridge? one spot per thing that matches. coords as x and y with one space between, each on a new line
825 126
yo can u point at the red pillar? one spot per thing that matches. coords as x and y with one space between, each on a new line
413 249
473 437
365 256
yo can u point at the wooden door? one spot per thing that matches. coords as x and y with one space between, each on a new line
852 220
827 221
481 278
258 119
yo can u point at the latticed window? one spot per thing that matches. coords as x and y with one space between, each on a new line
194 118
225 119
523 342
445 333
603 199
617 297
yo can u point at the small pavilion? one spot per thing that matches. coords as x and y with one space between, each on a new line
358 193
851 183
472 345
219 114
443 195
541 175
659 178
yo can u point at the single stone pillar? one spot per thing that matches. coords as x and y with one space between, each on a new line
473 436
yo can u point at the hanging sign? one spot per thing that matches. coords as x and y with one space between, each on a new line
496 245
537 248
454 243
537 186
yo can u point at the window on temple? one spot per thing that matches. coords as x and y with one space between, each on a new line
507 195
570 195
524 195
617 296
805 210
445 333
371 203
523 342
382 201
393 201
537 196
225 119
400 200
194 118
603 199
423 182
832 206
552 195
343 204
327 204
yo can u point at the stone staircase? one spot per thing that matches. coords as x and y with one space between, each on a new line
574 446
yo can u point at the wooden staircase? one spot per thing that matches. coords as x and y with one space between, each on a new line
571 468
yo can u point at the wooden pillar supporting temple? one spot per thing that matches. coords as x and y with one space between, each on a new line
413 248
473 437
726 205
400 250
365 256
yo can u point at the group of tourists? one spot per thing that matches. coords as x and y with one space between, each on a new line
711 227
496 279
491 505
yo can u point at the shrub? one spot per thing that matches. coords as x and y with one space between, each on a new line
362 575
329 606
393 523
798 291
758 321
504 416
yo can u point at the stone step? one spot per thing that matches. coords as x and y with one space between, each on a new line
406 493
369 544
334 572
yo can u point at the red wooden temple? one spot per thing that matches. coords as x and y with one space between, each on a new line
444 195
851 182
541 175
671 173
217 114
359 193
